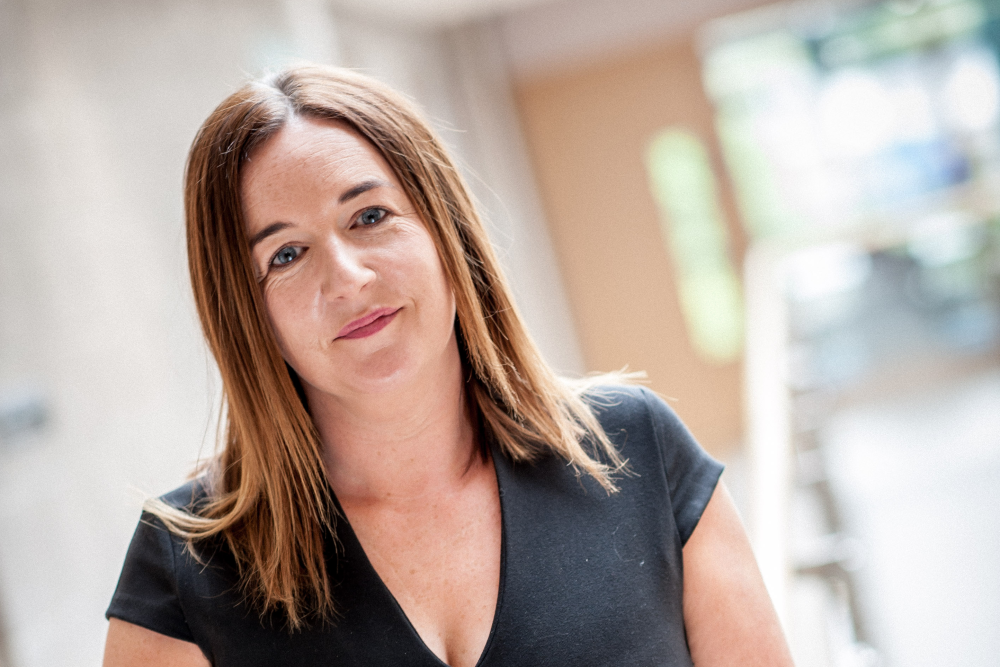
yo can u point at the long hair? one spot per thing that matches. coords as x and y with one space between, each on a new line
268 498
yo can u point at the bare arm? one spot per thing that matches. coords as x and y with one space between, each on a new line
130 645
727 611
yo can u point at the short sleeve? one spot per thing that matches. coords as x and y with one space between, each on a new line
147 592
692 474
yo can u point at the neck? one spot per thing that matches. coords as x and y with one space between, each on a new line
401 445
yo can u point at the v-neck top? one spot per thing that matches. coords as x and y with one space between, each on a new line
586 577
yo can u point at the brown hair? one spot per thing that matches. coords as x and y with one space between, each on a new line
268 496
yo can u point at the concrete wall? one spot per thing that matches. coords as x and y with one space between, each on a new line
99 102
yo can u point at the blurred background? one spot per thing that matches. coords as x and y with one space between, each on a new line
788 215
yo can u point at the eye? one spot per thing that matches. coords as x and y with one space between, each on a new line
370 216
286 255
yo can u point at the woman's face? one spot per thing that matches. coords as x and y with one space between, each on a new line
353 283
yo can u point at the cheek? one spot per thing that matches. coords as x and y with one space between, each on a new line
443 286
280 325
291 310
449 292
438 287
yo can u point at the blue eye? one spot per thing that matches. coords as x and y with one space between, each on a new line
286 256
371 216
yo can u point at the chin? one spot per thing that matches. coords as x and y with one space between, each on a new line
384 373
388 370
380 384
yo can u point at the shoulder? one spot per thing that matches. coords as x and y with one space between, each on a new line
639 424
631 413
174 512
653 439
148 592
153 529
631 408
162 576
188 496
157 538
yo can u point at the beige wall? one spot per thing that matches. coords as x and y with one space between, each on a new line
587 131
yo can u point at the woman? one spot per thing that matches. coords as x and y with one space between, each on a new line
403 480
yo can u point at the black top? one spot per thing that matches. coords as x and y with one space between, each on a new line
586 578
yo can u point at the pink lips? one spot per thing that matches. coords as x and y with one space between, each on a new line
368 325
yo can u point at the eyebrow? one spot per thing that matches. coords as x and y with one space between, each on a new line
362 188
347 196
273 228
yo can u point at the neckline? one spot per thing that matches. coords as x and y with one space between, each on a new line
346 530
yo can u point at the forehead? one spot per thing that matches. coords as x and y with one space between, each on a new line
309 154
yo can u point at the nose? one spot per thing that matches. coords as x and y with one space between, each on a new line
347 269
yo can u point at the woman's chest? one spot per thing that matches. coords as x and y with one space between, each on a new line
584 579
439 558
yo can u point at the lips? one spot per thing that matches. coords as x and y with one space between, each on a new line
369 324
